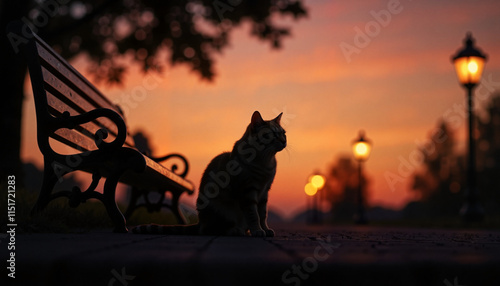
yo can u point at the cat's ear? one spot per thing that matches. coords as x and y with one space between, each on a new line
278 118
256 119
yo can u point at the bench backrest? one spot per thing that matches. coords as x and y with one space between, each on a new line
59 88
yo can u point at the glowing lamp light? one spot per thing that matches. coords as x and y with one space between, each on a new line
361 147
310 189
469 63
469 70
472 67
317 181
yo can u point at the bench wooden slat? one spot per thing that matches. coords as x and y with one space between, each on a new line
73 78
71 100
164 172
69 137
68 95
57 107
159 176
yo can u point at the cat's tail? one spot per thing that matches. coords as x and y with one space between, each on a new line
193 229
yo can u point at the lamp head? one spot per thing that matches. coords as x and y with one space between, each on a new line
469 63
361 147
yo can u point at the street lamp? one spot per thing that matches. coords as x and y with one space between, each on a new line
310 191
315 183
361 148
469 63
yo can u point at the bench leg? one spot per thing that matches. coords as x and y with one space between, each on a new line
176 210
49 181
111 207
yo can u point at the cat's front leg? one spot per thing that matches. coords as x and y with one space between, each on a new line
262 208
251 214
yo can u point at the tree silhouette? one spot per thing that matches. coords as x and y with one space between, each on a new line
441 178
190 32
342 188
441 181
489 157
142 144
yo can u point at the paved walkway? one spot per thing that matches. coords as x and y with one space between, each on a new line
323 255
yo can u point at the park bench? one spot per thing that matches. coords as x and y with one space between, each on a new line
72 111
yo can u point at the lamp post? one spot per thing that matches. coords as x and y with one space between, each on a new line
315 183
310 191
361 148
469 63
318 181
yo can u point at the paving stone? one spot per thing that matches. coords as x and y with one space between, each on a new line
298 255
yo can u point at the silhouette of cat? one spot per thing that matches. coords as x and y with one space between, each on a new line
234 187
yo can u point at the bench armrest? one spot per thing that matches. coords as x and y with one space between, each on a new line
174 168
70 122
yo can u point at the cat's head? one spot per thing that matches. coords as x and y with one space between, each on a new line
267 134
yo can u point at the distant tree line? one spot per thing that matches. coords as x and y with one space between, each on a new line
439 183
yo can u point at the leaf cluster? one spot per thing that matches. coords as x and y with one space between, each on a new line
153 33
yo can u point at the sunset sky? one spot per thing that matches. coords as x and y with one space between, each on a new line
395 82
